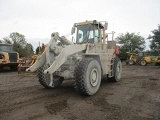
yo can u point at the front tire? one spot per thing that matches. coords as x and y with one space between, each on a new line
87 76
44 79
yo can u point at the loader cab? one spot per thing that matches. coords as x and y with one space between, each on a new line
142 54
88 32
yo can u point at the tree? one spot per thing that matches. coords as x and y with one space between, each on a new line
18 38
7 40
155 39
19 43
130 42
28 50
38 49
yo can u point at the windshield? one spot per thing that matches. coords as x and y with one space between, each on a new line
6 48
85 34
143 54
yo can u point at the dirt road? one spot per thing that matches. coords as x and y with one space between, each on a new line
135 97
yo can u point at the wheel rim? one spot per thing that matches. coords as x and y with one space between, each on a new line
118 71
143 62
94 77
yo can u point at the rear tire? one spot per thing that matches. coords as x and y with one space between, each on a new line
44 79
117 70
87 76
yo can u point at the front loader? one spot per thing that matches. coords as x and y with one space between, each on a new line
143 58
85 60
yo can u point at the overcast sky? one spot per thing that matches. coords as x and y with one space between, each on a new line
37 19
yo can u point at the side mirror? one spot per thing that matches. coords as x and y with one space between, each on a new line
73 30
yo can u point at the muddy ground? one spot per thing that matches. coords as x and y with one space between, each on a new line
135 97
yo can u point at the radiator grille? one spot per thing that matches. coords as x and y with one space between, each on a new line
13 57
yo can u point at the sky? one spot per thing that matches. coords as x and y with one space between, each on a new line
37 19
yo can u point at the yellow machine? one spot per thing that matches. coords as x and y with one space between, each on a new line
132 58
157 60
143 58
8 58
